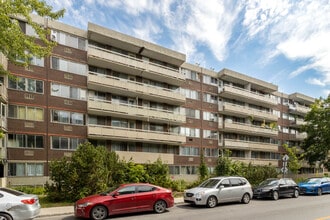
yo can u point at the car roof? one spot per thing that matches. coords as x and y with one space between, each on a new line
137 184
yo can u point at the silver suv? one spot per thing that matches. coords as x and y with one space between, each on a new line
220 190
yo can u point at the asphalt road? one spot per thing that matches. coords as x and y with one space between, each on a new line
302 208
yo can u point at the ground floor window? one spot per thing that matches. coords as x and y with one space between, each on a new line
187 170
25 169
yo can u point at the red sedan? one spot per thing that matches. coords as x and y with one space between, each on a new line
127 198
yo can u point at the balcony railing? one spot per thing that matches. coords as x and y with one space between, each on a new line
249 145
245 111
125 134
142 157
137 66
244 128
245 95
299 109
3 93
104 107
257 161
103 82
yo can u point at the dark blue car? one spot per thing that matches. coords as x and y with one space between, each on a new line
315 186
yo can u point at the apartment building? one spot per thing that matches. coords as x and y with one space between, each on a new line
139 99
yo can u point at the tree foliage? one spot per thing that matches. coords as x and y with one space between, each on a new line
86 172
253 173
317 144
203 171
294 164
14 43
92 170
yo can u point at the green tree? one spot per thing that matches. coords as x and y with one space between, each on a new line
294 164
317 144
85 173
224 164
14 43
203 171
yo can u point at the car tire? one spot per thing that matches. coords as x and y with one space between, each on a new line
319 192
275 195
5 216
211 202
295 193
99 212
160 206
246 198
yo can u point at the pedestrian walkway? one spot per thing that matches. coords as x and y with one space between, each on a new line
69 210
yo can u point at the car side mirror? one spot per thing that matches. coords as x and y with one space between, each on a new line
221 187
115 194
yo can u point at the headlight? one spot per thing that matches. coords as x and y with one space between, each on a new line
83 205
199 195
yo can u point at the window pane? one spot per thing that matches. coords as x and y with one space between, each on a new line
39 143
30 113
39 86
31 85
21 112
39 114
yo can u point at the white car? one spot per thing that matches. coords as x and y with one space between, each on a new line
220 190
16 205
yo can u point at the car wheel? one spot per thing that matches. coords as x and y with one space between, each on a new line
99 212
295 193
160 206
4 216
246 198
319 192
275 195
211 202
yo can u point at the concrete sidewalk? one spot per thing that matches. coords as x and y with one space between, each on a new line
69 210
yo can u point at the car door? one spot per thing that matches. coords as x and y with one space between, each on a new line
325 182
124 200
237 189
283 187
225 191
145 197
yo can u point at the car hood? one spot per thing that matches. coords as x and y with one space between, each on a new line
199 189
307 184
94 198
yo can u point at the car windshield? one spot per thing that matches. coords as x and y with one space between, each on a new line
313 180
210 183
269 182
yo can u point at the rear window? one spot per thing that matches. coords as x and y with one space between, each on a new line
11 191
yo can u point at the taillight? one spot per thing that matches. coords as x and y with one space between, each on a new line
28 201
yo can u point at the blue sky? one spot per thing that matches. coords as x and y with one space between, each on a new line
284 42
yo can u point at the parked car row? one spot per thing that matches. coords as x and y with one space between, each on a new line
139 197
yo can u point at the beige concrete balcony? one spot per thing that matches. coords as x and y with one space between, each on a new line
298 122
249 145
257 161
126 134
3 93
103 107
243 128
128 64
232 92
101 82
299 109
244 111
3 124
145 157
301 136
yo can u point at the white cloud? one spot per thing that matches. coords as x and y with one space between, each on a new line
298 30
